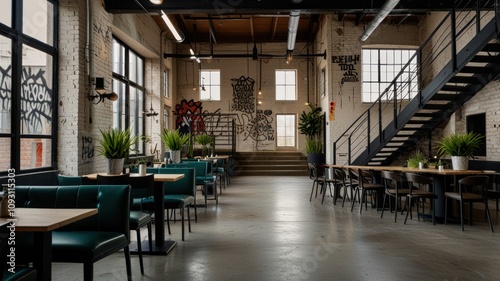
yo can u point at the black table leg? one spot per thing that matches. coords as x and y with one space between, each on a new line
42 261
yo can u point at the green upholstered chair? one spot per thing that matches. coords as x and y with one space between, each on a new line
141 186
205 178
180 194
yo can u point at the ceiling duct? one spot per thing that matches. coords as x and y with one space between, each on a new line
384 11
293 26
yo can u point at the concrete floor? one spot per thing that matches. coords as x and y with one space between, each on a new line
265 228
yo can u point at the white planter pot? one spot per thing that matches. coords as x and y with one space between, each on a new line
114 166
176 156
460 162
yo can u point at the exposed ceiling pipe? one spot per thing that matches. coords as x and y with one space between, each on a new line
384 11
293 26
228 56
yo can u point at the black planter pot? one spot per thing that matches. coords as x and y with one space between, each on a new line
315 158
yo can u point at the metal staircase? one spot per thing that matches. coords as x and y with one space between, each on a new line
446 71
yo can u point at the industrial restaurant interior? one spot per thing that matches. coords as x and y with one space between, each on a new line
389 80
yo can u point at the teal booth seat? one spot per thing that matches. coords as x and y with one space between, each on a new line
151 170
88 240
180 194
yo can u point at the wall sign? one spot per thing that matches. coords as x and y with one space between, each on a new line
347 64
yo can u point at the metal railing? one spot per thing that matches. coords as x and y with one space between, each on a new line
456 29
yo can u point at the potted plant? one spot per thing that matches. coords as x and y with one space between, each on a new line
115 145
204 140
460 147
174 140
310 125
416 158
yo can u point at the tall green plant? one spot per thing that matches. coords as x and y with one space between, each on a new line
310 125
173 139
310 122
115 143
460 144
204 139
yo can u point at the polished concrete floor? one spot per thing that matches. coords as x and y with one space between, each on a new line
265 228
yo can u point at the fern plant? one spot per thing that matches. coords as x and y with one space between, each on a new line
416 158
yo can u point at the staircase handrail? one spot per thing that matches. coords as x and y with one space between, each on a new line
357 128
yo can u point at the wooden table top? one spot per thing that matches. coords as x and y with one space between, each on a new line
46 219
158 177
445 172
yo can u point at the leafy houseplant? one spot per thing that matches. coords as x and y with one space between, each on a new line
460 147
174 141
115 145
204 140
416 158
310 125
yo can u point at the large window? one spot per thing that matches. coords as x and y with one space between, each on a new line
128 83
285 130
27 77
210 84
381 66
286 85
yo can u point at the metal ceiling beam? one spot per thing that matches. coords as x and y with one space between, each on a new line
229 56
219 7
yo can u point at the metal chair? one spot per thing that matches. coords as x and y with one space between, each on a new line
365 187
393 183
470 189
420 188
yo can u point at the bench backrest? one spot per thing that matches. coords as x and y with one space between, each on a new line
112 202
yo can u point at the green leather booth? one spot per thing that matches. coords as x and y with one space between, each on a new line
90 239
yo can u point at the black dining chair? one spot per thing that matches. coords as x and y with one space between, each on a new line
394 190
420 188
141 187
471 189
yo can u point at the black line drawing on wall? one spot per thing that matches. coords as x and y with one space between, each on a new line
87 149
36 101
243 97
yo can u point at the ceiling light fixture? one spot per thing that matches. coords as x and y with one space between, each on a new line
102 93
156 2
177 34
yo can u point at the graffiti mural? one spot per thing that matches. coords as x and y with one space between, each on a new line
36 101
189 116
87 149
5 89
347 64
258 128
243 97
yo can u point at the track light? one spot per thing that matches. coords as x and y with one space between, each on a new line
177 34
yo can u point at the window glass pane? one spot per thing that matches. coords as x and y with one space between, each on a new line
285 84
6 17
36 92
35 153
133 72
377 75
285 130
5 85
118 58
119 105
210 85
38 20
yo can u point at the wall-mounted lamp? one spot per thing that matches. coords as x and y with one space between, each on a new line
102 93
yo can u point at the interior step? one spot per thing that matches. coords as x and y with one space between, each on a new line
270 163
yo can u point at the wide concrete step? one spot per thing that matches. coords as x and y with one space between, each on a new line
267 163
